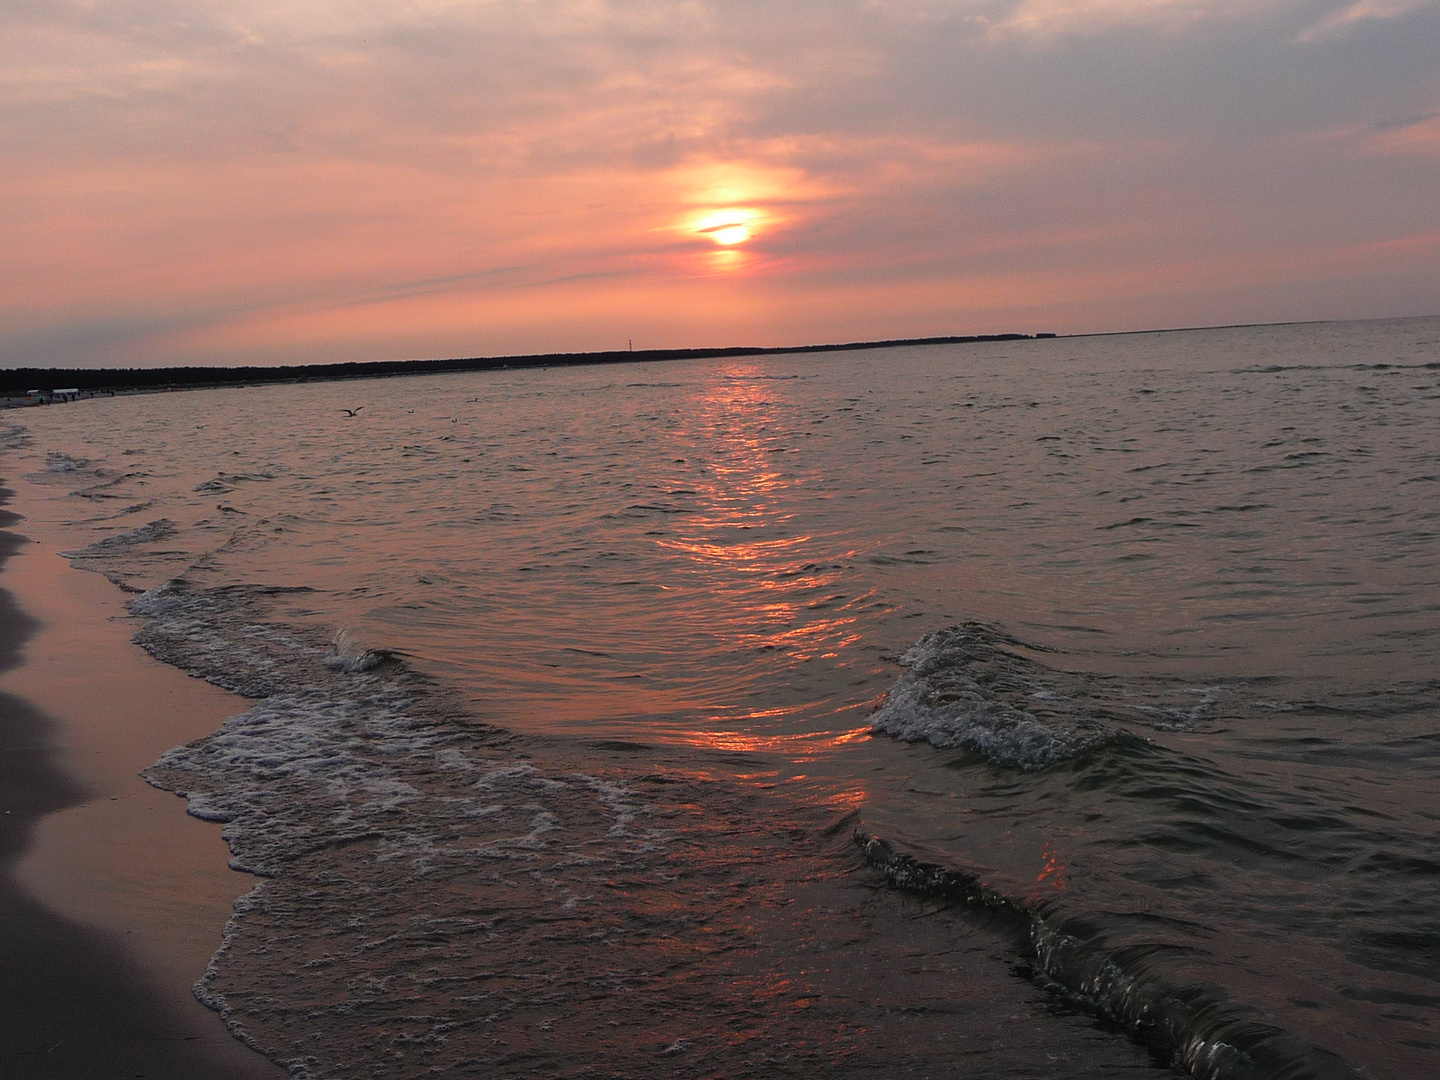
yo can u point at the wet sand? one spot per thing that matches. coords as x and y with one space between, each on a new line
111 899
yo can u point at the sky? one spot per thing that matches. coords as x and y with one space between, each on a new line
292 181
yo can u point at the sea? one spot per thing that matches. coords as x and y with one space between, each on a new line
1041 708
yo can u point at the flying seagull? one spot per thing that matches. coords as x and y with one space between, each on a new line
352 412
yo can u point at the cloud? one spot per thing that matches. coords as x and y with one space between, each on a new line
1363 11
1046 20
1407 135
265 179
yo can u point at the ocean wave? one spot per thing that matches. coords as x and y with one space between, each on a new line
57 462
222 636
759 377
223 483
439 895
349 655
149 533
962 687
1193 1029
970 686
348 765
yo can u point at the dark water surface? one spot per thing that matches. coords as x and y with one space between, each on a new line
1133 639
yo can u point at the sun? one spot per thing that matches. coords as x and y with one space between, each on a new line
727 227
737 233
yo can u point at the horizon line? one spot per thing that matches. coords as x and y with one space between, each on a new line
13 380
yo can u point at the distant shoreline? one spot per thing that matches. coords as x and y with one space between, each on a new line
16 383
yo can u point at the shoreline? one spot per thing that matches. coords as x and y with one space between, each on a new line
86 382
90 382
87 989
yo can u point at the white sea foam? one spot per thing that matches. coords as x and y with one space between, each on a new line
1183 718
961 687
62 463
333 745
347 654
972 686
149 533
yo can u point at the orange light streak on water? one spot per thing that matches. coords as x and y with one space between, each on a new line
1052 876
743 541
796 746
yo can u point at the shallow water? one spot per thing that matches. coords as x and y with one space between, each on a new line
1184 724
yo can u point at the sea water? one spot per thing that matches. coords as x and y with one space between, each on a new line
1057 707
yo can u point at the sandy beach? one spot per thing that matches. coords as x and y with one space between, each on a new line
111 899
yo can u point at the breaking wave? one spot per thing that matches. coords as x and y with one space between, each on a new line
962 687
1193 1029
349 655
969 686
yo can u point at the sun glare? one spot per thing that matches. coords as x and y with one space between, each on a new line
727 227
730 234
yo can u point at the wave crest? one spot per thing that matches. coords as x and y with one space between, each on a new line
962 687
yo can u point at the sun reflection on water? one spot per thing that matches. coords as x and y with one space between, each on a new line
783 591
793 746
